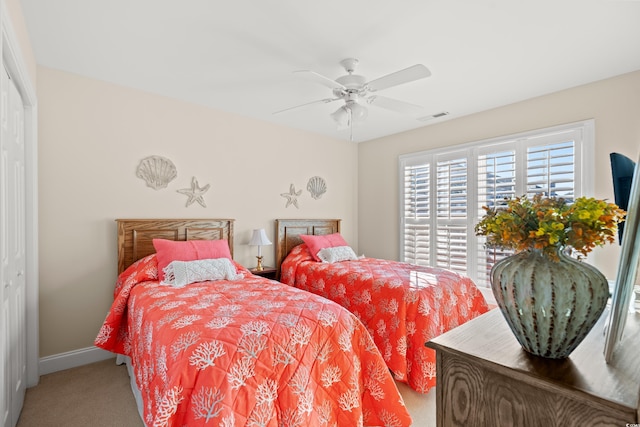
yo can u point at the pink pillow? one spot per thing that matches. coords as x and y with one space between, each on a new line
191 250
317 243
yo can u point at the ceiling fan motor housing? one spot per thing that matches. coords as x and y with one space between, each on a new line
354 84
352 81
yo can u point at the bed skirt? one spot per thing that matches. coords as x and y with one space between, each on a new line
126 360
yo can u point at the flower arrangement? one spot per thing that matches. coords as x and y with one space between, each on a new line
549 223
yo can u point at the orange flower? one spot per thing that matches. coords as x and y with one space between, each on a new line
550 223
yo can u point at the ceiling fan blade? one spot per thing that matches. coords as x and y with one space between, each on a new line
395 105
319 101
407 75
319 78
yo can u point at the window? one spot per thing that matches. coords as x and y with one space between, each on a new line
443 191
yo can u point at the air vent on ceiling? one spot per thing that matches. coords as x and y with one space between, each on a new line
433 116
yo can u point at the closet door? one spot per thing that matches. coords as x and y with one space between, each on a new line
5 270
12 252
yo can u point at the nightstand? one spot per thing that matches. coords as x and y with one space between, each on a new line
268 272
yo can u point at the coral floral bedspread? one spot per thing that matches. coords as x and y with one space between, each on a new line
249 352
402 305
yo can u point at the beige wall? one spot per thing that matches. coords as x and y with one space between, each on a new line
92 135
614 104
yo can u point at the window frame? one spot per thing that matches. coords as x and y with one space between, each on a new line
582 133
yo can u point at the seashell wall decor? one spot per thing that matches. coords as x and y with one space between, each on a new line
317 187
156 171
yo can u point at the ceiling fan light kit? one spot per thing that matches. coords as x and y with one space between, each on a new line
352 88
348 113
341 116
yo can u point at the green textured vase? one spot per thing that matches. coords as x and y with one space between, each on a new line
549 305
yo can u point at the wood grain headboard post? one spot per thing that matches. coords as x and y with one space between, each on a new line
288 233
135 236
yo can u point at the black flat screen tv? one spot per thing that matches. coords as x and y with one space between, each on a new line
622 169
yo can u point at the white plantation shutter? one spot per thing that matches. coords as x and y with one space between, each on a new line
443 191
496 178
496 182
452 189
551 170
416 210
452 247
451 218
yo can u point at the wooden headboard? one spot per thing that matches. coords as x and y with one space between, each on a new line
135 236
288 233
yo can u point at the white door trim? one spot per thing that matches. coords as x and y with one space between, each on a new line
13 61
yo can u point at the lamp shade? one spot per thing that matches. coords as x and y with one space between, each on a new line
259 238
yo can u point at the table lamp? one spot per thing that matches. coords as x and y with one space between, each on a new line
259 239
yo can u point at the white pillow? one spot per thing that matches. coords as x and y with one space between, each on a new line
336 254
181 273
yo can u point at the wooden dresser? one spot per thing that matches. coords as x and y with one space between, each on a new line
486 379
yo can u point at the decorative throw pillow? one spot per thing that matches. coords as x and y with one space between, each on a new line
337 254
182 273
316 243
190 250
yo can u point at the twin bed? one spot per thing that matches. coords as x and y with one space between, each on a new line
224 347
402 305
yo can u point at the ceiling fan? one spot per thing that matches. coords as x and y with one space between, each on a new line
355 91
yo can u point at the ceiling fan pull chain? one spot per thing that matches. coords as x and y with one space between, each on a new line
350 124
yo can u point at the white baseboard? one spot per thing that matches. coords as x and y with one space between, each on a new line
72 359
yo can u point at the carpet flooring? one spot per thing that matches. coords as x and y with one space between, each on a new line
95 395
99 395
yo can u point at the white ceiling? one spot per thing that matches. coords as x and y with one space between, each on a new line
240 55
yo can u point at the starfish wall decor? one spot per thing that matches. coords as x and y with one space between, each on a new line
292 196
195 193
